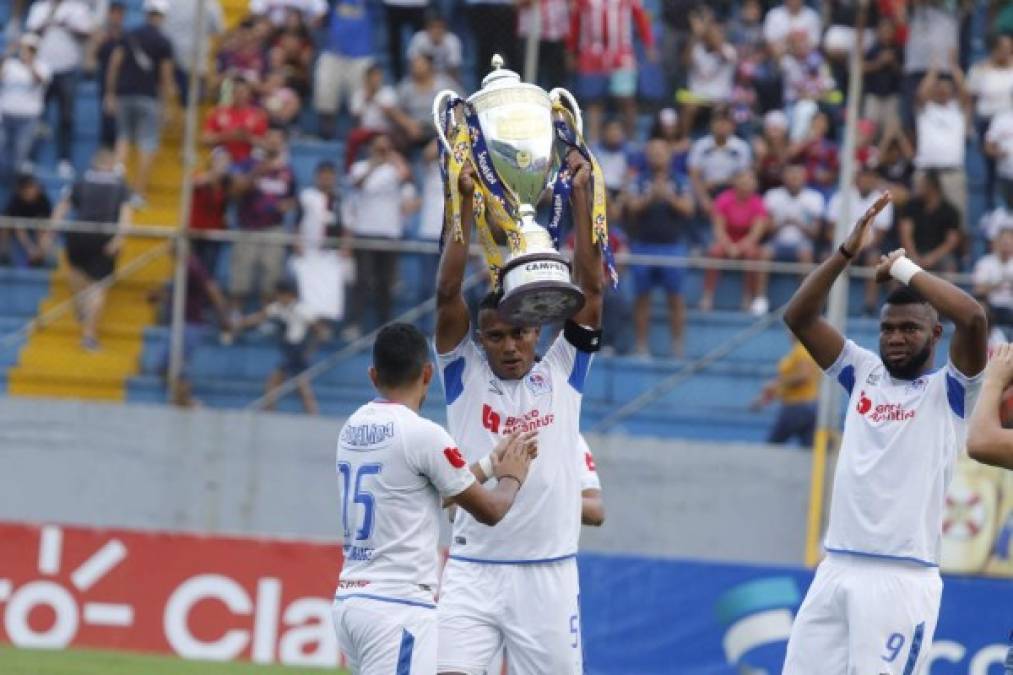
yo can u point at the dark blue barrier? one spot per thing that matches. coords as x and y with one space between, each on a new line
644 616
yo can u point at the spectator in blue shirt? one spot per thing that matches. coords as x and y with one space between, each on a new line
345 56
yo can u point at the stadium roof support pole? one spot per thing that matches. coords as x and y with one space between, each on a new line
837 309
532 45
185 198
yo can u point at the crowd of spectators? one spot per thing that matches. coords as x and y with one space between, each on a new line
740 162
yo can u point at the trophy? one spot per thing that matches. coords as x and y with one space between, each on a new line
511 137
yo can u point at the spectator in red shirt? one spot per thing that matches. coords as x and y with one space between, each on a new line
601 41
819 154
740 223
211 191
236 127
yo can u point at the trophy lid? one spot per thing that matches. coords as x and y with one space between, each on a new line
500 75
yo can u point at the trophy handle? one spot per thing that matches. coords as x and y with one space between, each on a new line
559 93
438 120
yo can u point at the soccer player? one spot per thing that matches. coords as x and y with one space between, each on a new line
987 441
394 467
592 508
873 604
516 584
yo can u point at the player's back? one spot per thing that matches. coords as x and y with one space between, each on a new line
393 466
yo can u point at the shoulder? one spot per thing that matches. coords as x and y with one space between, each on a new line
724 198
813 197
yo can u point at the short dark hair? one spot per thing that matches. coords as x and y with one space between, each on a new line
399 354
286 286
905 295
326 165
931 178
490 301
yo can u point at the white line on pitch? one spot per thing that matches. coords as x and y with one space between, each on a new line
50 546
108 614
96 567
5 589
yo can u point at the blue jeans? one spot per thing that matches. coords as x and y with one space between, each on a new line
63 87
18 138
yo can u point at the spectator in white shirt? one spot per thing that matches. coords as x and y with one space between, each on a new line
999 147
23 80
383 195
181 28
439 44
990 83
863 194
716 159
932 31
993 278
791 17
375 109
942 131
711 61
796 217
63 26
320 271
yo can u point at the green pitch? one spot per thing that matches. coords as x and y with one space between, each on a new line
87 662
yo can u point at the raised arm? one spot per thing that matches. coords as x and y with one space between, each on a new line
804 312
452 319
969 346
987 441
587 261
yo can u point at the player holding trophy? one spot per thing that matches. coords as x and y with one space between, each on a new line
516 584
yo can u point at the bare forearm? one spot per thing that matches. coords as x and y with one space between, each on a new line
592 510
454 260
987 441
587 256
950 301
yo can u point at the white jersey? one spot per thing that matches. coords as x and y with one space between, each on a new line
393 468
544 522
901 439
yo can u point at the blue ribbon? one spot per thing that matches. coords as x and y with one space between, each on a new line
483 161
561 195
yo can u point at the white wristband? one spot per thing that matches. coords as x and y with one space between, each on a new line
485 464
903 268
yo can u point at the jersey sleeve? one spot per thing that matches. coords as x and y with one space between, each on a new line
455 365
589 479
571 353
853 364
961 390
434 454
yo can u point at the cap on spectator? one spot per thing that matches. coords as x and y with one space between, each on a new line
156 6
995 222
30 40
775 119
668 116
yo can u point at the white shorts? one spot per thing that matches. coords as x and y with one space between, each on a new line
865 615
531 609
386 638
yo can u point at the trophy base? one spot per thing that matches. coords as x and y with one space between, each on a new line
537 290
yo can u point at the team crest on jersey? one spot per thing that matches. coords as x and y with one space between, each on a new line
538 383
873 379
453 456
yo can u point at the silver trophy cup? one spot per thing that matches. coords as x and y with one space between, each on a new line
516 121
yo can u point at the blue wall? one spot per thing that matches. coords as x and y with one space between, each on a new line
646 616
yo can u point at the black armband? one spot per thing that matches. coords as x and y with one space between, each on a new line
584 339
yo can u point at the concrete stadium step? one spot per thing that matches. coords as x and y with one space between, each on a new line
44 382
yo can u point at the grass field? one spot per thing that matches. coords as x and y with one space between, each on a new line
85 662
